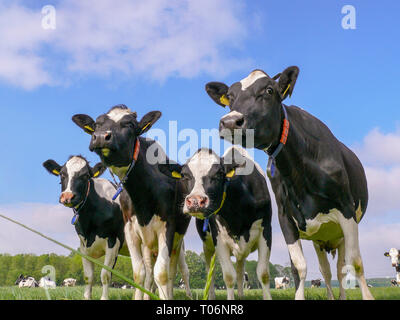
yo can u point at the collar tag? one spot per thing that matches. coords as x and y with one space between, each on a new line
75 219
119 190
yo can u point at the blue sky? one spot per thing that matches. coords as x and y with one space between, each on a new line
348 78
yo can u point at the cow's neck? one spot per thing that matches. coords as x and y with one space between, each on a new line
289 159
144 186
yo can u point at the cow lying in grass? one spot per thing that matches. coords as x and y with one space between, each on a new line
26 282
236 204
153 219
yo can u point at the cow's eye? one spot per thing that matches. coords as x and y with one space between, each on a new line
269 90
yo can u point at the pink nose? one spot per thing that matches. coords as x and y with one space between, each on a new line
196 201
66 197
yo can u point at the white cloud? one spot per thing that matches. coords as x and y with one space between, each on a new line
155 39
379 149
51 220
380 155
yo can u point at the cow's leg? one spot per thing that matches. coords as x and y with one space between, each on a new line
325 269
352 254
298 262
209 250
161 267
240 275
148 263
109 260
88 271
263 267
228 269
134 246
184 270
173 262
300 267
340 274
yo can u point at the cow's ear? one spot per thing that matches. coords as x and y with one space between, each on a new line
232 161
287 80
98 170
386 254
84 122
52 167
217 91
171 169
148 120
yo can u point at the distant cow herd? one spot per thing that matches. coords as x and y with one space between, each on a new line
319 186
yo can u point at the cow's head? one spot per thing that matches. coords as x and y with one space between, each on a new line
255 103
19 279
114 133
201 180
394 255
74 176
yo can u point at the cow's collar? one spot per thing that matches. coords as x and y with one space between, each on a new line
132 164
282 142
206 220
80 205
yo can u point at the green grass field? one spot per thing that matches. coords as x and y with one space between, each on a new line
76 293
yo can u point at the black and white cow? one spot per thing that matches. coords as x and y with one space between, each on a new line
69 282
282 282
26 282
315 283
319 184
394 255
237 203
159 226
99 225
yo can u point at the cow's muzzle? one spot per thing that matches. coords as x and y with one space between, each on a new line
232 121
66 198
100 140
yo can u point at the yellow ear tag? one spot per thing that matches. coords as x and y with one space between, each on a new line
56 172
176 175
146 126
224 100
89 128
231 173
96 174
286 90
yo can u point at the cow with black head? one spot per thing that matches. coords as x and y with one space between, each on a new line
97 218
159 226
229 197
394 255
319 184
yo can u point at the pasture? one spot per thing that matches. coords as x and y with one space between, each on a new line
76 293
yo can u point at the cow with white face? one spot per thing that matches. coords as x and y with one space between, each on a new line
47 283
69 282
319 184
282 282
394 255
98 219
155 227
233 211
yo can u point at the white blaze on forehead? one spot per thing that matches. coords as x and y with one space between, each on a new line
117 114
200 165
251 78
73 166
